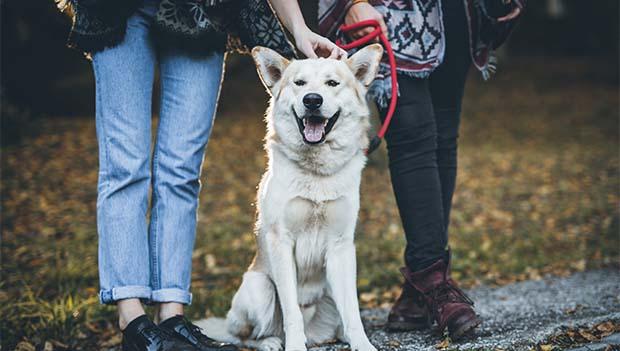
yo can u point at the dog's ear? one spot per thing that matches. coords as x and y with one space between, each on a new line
365 63
269 64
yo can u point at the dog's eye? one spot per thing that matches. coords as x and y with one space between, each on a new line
300 82
332 83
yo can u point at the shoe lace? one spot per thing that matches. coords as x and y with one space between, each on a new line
154 333
196 331
448 292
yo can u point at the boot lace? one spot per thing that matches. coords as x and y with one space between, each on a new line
448 292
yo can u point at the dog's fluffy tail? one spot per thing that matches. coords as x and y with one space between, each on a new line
217 329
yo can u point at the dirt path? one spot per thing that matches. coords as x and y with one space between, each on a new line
516 316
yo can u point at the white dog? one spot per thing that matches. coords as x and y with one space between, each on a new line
301 287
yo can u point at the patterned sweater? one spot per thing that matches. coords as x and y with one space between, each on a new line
415 32
197 25
415 29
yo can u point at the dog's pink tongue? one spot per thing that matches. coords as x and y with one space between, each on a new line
314 131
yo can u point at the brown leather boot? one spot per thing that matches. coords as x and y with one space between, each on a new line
448 304
409 311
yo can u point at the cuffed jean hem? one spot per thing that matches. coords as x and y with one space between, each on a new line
110 296
172 295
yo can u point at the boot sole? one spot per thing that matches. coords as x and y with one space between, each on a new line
465 328
407 326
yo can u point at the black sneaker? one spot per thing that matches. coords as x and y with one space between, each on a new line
143 335
192 334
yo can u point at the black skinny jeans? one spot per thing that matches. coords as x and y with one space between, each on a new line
422 144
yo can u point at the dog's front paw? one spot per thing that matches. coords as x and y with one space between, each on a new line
362 345
295 343
295 347
271 343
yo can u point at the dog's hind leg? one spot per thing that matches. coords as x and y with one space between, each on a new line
255 315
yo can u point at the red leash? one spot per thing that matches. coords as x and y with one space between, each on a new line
376 140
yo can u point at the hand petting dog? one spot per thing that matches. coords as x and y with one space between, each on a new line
309 43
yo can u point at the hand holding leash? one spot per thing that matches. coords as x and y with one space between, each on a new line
361 10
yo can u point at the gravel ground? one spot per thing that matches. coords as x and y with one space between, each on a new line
516 316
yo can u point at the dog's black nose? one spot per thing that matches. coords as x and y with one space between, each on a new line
313 101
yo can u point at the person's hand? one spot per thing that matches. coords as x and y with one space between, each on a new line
512 15
363 11
313 45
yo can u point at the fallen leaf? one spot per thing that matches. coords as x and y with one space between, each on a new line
444 344
24 346
587 335
116 339
394 343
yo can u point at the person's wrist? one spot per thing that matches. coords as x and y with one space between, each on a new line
353 4
356 2
299 30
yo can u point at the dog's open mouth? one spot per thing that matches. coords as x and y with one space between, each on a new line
314 129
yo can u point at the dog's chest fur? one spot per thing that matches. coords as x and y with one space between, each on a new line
312 211
312 226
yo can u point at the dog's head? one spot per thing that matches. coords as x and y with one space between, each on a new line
318 101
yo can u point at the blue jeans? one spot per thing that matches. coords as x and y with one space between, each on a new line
150 262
